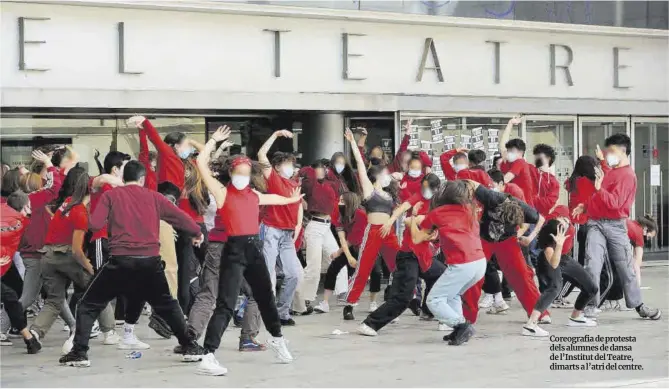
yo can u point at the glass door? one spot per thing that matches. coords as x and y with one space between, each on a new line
594 130
651 146
558 132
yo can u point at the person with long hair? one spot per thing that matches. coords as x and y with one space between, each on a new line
452 218
134 269
341 172
643 227
281 225
552 267
376 152
321 195
64 258
412 261
11 182
501 236
379 199
242 256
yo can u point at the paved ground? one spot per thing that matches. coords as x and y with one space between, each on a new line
410 353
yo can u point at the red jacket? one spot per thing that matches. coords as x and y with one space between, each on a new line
475 174
170 166
547 190
12 225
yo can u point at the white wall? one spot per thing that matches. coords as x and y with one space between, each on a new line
218 60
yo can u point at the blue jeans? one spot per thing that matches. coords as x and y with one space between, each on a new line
278 244
444 299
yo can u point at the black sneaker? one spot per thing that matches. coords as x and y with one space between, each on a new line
33 344
645 312
178 349
193 352
465 332
310 309
159 325
287 322
348 313
75 359
14 333
237 319
414 306
453 334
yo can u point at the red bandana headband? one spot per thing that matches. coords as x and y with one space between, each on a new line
240 161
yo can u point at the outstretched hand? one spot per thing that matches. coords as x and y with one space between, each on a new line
222 133
349 135
283 133
136 121
561 236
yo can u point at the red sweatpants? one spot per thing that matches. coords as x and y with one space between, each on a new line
520 277
372 243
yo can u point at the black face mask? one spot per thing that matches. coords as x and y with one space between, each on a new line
538 162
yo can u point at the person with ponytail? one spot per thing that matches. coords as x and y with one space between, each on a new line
644 227
239 204
379 199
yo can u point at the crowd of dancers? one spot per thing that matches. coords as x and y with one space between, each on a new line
189 231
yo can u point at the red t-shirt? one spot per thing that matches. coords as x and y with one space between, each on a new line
95 199
62 226
355 229
218 234
407 242
410 186
240 212
515 191
521 170
283 217
184 205
635 233
616 196
459 235
581 194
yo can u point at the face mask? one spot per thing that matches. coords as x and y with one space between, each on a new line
459 167
414 173
511 156
339 167
612 160
384 180
240 182
427 193
538 162
287 171
185 153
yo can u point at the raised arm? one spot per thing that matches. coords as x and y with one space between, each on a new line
445 161
399 211
213 185
273 199
262 153
143 123
367 187
145 159
96 157
196 145
506 134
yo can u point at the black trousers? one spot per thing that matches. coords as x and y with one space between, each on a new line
401 290
14 309
581 236
242 259
491 282
570 271
430 276
136 279
190 260
335 267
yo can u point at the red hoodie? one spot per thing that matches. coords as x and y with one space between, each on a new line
35 233
170 166
12 225
476 174
547 190
616 197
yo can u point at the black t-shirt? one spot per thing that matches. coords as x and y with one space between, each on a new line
492 227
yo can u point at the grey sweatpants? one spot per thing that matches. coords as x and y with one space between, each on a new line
610 236
205 300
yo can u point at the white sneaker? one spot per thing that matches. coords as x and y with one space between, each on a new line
534 330
322 307
366 330
498 307
546 320
4 340
373 306
130 342
581 321
146 311
562 303
110 338
592 312
210 366
486 301
95 331
67 346
279 347
66 328
444 327
119 323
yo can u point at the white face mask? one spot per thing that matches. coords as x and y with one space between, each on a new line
339 167
612 160
287 171
511 156
414 173
427 193
459 167
240 182
384 180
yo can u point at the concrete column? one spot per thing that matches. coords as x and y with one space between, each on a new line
323 135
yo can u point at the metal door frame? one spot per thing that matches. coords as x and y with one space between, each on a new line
553 118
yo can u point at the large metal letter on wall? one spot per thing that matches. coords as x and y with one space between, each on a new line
617 67
121 50
429 47
570 59
277 50
345 40
497 47
23 42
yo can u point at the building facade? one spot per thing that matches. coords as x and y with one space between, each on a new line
73 70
